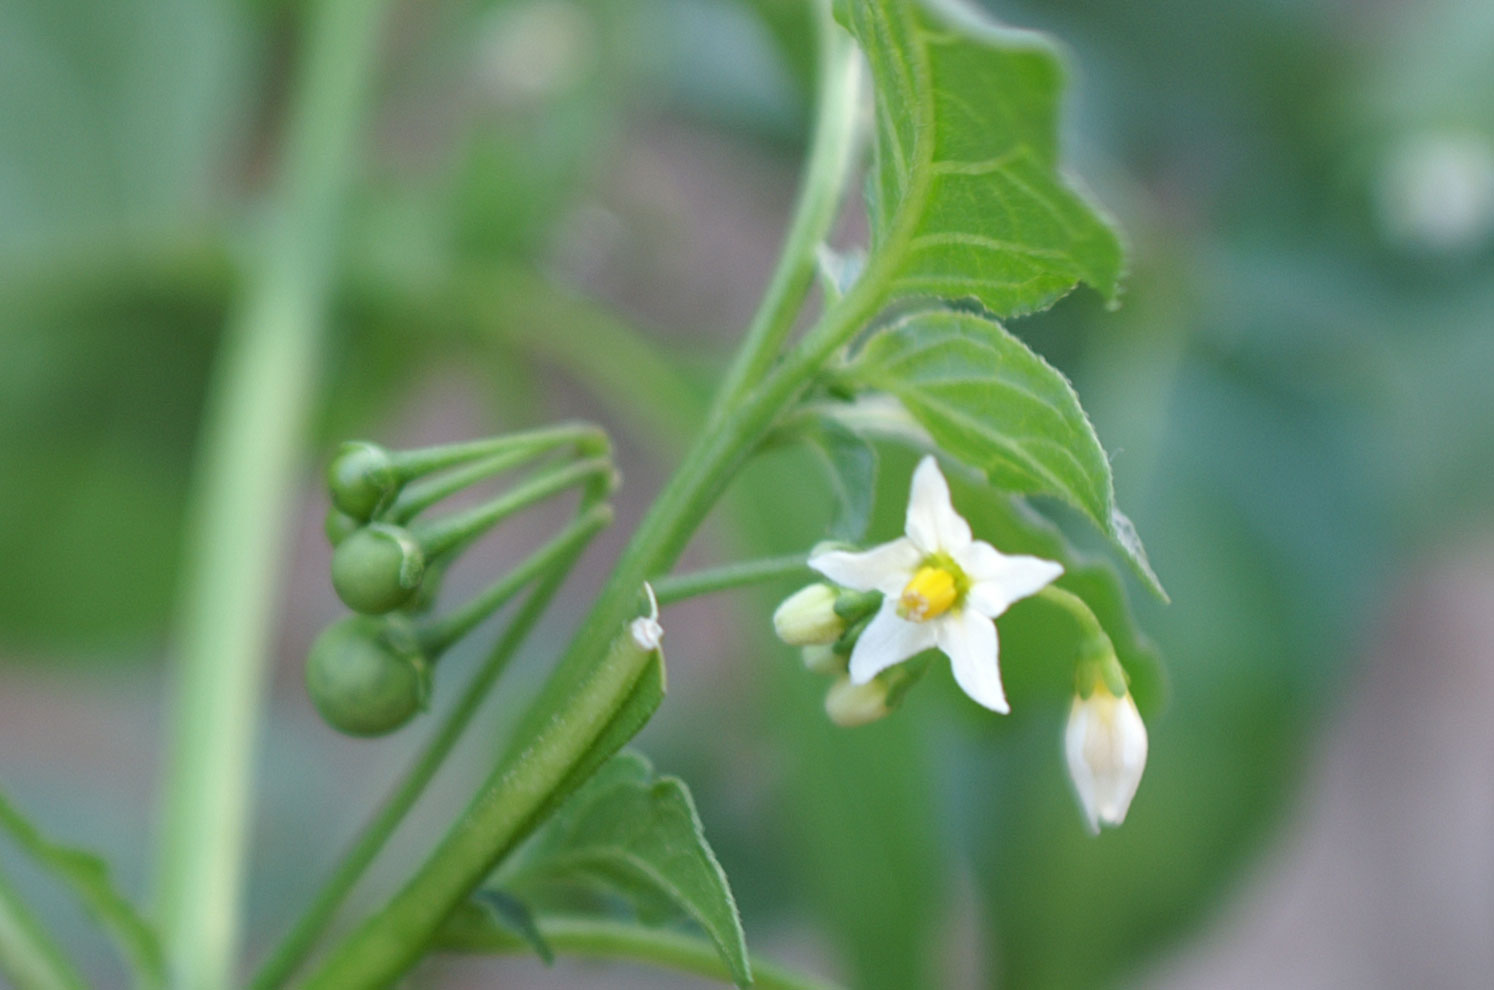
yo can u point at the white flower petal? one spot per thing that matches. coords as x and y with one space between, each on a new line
969 639
932 522
887 568
888 639
997 580
1081 719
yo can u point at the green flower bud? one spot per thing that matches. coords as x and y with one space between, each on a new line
377 569
808 618
367 676
821 658
850 705
362 477
338 525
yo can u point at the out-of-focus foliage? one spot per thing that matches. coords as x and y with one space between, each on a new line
1295 392
88 877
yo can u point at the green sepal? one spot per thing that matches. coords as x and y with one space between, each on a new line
854 606
901 678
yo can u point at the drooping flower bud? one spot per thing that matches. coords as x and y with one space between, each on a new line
808 617
850 705
1105 744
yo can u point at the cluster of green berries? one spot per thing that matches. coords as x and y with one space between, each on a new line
370 673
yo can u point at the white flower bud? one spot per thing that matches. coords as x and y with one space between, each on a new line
1105 743
822 659
807 617
850 705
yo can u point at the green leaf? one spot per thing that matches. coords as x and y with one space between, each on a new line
639 836
991 402
966 197
852 466
490 908
88 876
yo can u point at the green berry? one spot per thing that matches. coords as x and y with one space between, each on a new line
338 525
377 569
362 478
367 676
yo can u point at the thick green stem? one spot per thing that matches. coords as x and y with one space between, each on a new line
678 587
600 939
298 943
581 696
257 408
584 693
28 955
834 139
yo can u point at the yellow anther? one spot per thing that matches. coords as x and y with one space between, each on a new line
929 595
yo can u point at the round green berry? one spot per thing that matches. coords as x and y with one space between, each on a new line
377 568
367 676
361 478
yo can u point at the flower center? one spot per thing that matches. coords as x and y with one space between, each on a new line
934 590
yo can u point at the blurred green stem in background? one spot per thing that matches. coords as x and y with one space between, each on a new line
605 939
257 409
28 956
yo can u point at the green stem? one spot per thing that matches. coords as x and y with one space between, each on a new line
584 693
293 950
442 633
257 409
443 535
678 587
421 495
28 955
415 463
834 140
601 939
1095 637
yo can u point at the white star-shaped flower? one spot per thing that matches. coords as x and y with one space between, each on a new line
942 589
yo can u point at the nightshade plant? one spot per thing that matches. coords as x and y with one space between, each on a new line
573 844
